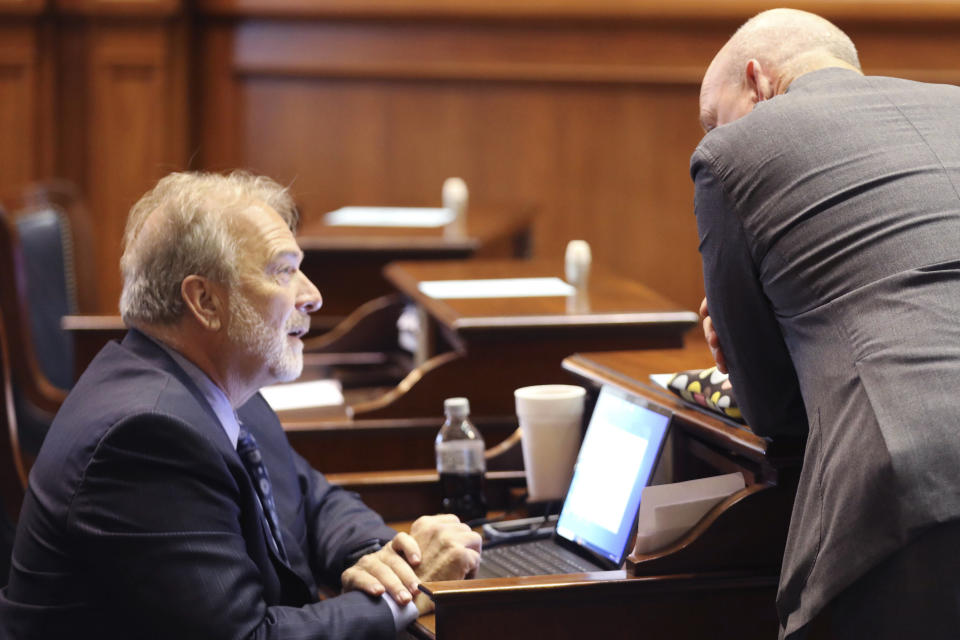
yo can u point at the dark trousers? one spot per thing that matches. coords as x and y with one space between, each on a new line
915 593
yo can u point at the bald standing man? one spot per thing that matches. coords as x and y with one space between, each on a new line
166 501
828 210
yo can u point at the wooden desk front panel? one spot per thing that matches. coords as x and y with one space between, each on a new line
606 605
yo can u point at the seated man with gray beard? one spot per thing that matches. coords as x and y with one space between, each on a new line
166 501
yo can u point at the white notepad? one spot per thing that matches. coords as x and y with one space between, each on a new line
420 217
668 511
497 288
303 395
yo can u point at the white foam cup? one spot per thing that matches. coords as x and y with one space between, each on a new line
550 417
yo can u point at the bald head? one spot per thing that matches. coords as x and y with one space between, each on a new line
764 56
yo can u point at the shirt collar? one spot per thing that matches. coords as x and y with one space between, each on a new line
213 394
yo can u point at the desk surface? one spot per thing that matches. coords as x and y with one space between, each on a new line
610 300
346 263
485 225
486 348
719 581
631 370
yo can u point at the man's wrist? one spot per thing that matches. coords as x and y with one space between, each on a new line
370 546
404 616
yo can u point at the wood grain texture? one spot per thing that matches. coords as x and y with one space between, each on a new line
573 9
135 87
22 7
586 109
346 263
609 300
19 108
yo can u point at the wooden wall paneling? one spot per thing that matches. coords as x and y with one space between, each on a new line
917 50
594 120
48 125
21 151
583 10
219 101
120 8
136 127
568 116
15 8
71 111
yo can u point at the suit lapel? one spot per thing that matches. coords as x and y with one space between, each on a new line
202 417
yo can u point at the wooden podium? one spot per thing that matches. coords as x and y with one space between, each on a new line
718 581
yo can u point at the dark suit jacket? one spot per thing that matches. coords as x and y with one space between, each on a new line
829 221
141 521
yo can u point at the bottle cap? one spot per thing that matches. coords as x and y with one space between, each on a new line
455 195
458 407
577 263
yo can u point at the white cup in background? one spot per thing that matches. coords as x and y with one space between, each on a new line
550 416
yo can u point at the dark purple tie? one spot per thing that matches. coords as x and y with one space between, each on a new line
253 461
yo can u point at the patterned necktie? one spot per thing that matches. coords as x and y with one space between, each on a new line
253 461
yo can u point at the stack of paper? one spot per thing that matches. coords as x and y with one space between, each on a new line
496 288
412 217
668 511
316 397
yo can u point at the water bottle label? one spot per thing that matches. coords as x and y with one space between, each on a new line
460 456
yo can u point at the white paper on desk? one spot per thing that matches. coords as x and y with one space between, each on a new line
662 379
497 288
389 217
303 395
668 511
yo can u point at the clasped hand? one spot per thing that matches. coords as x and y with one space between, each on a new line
437 548
713 340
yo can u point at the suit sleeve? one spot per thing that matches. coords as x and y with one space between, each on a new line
761 371
158 523
338 523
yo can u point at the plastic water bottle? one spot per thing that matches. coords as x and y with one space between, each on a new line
460 462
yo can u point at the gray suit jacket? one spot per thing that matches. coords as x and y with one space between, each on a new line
829 221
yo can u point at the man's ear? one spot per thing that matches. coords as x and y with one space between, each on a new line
758 82
204 301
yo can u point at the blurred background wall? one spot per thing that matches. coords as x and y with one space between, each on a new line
585 108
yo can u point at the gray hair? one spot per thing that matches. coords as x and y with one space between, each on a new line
190 234
791 41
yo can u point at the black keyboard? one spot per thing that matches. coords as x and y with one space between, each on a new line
536 558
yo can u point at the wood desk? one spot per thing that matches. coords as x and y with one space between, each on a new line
486 348
89 334
346 263
718 581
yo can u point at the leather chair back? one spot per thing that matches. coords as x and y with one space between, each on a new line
51 292
13 477
36 399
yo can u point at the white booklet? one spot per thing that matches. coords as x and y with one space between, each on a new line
303 395
412 217
497 288
668 511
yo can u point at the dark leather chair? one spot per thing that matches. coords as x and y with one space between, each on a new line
36 398
13 477
51 291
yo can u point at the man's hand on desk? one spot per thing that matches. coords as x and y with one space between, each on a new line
713 340
437 548
451 551
388 570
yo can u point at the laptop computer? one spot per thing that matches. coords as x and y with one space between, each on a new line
618 456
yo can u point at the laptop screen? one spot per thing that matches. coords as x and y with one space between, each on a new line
617 458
